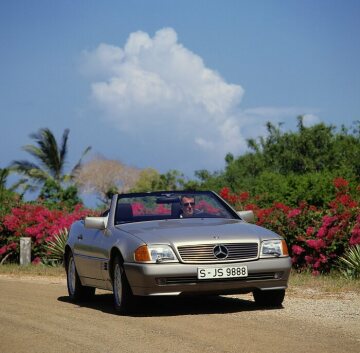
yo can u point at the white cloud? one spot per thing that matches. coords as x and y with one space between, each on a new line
273 112
103 61
153 85
208 145
161 92
278 114
255 119
310 119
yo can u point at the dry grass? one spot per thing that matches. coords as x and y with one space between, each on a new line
332 283
32 270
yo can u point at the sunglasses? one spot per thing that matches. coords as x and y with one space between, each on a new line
187 204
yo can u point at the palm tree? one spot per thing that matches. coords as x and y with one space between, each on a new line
3 178
50 158
4 173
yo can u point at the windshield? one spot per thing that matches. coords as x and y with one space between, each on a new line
170 205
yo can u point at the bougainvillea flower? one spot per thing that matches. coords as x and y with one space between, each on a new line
293 213
316 244
298 250
340 183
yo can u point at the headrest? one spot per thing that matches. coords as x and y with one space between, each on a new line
124 212
175 209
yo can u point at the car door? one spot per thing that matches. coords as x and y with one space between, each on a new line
89 253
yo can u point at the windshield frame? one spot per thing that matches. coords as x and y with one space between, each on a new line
174 193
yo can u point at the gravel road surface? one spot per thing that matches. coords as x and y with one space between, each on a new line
36 317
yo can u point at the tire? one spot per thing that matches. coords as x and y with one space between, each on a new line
123 297
269 298
77 292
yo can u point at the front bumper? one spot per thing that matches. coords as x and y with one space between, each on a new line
179 278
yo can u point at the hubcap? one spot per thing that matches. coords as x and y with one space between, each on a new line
71 275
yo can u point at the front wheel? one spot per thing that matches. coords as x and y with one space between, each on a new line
269 298
123 297
77 292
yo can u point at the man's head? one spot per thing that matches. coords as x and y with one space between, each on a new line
187 205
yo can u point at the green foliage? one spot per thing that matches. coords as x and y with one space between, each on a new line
8 198
171 180
109 194
152 180
4 173
291 166
209 181
148 179
311 149
314 188
55 196
349 263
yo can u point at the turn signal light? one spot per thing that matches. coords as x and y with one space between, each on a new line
142 254
284 248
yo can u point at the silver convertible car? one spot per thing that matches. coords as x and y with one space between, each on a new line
174 243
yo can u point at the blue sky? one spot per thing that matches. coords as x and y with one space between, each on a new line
173 84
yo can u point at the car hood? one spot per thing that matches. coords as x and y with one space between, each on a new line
208 230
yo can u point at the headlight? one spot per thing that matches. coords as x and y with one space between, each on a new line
271 248
155 254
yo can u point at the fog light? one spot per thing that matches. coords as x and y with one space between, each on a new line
278 275
161 281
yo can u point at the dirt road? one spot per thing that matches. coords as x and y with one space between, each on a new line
36 317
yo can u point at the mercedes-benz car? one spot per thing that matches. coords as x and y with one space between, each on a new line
174 243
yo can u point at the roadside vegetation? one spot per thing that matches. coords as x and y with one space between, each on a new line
32 270
303 184
331 283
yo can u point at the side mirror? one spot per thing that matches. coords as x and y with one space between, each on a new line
247 216
95 222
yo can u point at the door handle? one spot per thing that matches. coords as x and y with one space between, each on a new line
80 237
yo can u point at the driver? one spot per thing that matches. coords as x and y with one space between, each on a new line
187 204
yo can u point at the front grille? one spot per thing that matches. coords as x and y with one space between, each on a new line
205 252
193 279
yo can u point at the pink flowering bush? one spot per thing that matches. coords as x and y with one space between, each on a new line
37 222
139 209
204 206
316 237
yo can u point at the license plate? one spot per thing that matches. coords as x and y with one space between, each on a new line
222 272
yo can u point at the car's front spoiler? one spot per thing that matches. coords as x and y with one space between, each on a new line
178 278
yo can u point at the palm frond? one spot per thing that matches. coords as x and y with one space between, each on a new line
51 152
28 187
47 152
78 164
49 158
63 148
22 165
4 173
20 183
38 154
30 170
